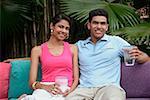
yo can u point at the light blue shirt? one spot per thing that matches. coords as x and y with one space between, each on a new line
100 63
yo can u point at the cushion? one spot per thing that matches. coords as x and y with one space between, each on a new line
4 79
4 99
136 80
19 78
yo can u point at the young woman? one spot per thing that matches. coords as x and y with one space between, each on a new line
57 58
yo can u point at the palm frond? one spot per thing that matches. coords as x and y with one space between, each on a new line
119 15
139 34
13 15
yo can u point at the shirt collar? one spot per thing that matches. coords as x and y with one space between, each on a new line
104 38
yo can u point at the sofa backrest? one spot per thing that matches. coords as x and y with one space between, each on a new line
136 80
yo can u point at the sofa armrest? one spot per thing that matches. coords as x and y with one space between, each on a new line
136 80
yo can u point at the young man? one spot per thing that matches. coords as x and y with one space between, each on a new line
99 62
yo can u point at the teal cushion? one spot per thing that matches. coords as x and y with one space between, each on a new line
19 78
13 99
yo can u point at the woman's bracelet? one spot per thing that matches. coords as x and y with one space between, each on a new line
34 84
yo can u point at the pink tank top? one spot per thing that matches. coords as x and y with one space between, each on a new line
53 66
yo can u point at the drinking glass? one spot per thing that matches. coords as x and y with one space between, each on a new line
62 81
128 60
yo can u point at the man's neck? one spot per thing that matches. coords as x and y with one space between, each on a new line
94 40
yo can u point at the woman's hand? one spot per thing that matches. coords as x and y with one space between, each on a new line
54 89
66 92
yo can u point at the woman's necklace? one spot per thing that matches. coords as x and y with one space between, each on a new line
55 50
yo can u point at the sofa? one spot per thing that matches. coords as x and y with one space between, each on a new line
14 78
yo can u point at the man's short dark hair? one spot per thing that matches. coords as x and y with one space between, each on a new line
98 12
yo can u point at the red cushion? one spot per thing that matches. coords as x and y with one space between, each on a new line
4 79
4 99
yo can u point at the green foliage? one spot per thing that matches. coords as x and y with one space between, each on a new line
16 23
119 15
13 14
138 35
123 20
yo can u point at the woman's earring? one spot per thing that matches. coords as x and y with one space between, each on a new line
51 31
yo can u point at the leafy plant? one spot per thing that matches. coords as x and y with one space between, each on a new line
138 35
13 14
119 15
16 21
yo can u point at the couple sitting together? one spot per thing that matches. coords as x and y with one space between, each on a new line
97 59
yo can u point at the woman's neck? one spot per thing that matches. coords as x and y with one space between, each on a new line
54 42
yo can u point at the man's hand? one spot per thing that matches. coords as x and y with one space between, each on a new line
140 56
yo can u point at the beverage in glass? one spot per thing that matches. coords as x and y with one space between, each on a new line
128 60
62 81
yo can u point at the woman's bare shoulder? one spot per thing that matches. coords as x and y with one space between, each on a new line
36 50
73 47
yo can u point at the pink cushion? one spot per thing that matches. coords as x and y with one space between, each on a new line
4 99
4 79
